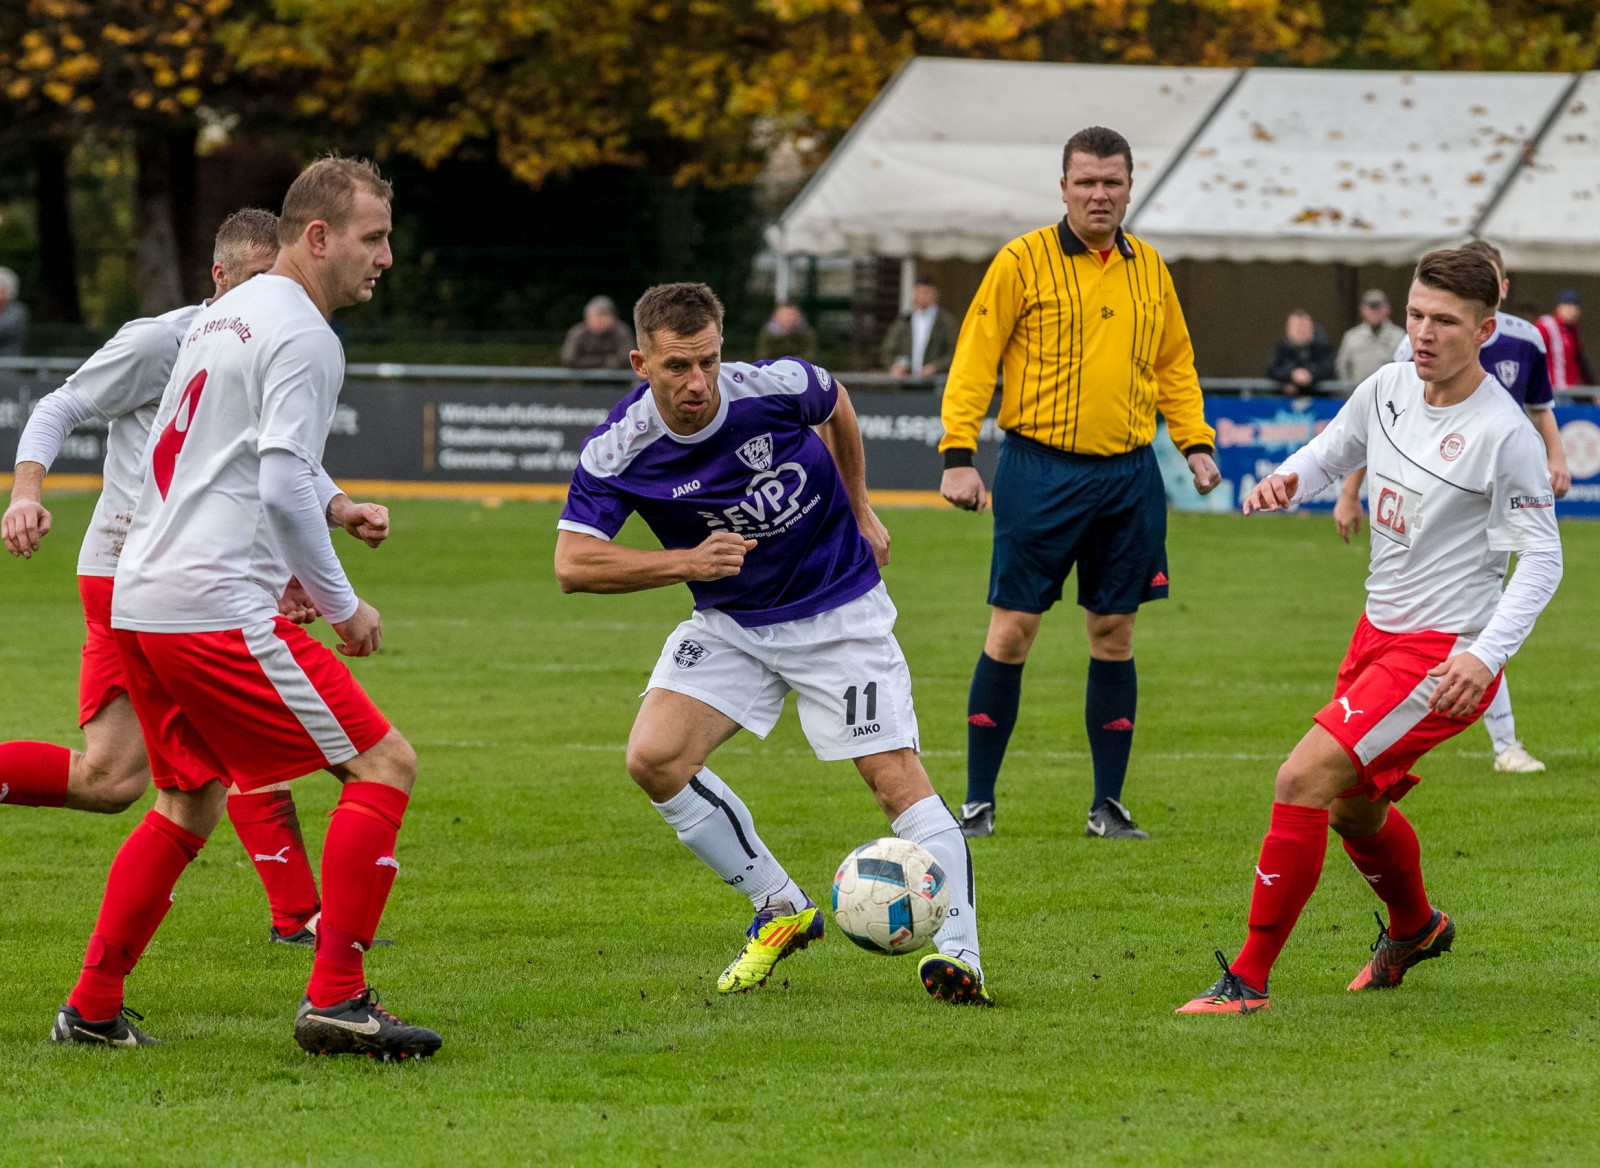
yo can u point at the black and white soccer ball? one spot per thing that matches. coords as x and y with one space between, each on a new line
889 896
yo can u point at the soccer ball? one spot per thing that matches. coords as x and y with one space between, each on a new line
889 896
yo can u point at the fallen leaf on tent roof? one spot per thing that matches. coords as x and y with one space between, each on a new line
1478 111
1260 133
1360 224
1475 179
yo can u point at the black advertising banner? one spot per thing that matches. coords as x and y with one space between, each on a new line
438 431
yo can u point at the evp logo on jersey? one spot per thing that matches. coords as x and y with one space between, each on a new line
164 461
773 502
1395 509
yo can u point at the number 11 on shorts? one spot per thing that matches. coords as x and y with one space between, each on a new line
870 692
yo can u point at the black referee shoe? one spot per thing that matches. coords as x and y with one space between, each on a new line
1110 820
70 1026
976 820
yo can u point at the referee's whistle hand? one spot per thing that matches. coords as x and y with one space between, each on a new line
1272 493
1206 474
962 486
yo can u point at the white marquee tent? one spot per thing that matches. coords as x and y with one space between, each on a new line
956 157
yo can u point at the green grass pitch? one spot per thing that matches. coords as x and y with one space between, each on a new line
566 945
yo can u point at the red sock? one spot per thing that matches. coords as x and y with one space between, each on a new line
34 774
269 829
1286 875
358 869
1391 860
138 894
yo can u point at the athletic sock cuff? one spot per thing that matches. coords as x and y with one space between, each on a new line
1296 820
1112 671
257 806
700 797
186 840
999 668
378 800
924 819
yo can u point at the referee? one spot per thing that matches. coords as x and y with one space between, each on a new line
1084 323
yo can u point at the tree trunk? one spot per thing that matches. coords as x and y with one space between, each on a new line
58 266
156 267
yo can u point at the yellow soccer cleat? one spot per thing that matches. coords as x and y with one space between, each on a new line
953 981
771 939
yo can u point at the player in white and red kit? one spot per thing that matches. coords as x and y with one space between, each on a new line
1456 482
230 510
121 385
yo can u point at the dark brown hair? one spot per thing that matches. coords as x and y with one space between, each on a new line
243 233
1098 142
326 190
684 309
1489 252
1464 271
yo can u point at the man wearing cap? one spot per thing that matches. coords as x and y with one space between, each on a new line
599 340
1562 344
1369 345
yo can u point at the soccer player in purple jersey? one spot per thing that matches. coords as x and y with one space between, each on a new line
753 478
1514 355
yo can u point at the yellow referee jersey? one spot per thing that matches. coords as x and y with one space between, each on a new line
1090 350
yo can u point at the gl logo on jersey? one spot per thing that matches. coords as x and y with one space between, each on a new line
757 453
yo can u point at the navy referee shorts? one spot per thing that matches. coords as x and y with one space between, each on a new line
1053 511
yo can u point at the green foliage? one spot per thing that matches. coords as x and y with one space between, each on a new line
549 924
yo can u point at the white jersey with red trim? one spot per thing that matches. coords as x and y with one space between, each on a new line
1452 491
259 370
121 384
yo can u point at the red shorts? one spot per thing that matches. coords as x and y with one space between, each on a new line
100 680
1380 712
250 706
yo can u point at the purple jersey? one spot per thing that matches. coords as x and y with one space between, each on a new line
757 470
1514 355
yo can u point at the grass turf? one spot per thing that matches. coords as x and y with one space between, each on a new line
566 945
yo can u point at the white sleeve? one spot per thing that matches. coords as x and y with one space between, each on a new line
1522 505
327 491
1402 351
1339 449
1532 585
128 371
300 392
56 416
289 498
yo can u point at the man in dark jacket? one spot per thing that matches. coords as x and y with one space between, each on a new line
1302 357
921 343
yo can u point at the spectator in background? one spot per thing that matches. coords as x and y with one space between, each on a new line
1371 344
1303 357
600 340
786 334
13 316
1563 346
921 342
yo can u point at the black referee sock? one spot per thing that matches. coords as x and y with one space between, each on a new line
991 716
1110 704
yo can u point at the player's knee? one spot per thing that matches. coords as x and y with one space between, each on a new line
391 762
1010 638
109 785
660 772
1301 784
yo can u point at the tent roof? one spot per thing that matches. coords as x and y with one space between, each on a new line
956 157
1355 167
1549 219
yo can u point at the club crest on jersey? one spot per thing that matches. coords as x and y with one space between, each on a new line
688 654
1507 372
1452 446
757 453
824 378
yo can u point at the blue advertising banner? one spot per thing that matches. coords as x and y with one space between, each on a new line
1254 435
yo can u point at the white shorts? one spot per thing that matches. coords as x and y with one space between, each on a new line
851 681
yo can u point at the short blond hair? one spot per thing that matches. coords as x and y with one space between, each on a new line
327 190
242 234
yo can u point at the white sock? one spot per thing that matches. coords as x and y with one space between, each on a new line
715 825
928 822
1499 721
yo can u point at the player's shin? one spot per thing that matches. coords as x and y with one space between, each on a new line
715 825
1286 875
138 895
1391 860
358 870
269 828
928 822
34 774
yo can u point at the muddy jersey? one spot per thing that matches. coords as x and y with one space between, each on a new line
757 470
